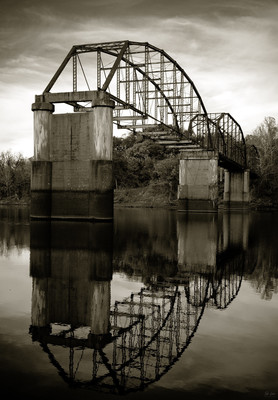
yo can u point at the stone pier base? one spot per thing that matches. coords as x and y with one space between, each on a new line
198 181
236 189
72 171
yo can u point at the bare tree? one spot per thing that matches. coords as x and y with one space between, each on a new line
265 138
14 175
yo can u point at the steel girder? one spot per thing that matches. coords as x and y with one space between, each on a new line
152 93
219 132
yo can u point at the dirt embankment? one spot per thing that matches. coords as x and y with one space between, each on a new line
155 195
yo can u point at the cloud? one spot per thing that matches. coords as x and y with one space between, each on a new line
228 49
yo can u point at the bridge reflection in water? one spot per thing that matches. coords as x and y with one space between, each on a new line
124 346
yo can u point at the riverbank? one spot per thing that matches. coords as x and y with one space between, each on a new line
155 196
151 196
15 201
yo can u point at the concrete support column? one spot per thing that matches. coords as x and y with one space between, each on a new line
236 188
198 181
41 176
102 180
227 184
246 186
72 172
42 129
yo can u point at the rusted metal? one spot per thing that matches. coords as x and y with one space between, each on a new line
150 88
115 66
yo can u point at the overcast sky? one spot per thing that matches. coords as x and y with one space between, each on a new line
228 48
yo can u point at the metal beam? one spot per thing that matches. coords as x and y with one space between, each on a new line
115 66
60 70
128 117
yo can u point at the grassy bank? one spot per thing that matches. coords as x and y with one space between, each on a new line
153 195
15 201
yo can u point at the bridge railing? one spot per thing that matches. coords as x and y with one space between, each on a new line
253 158
219 132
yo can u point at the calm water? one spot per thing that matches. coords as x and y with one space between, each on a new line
158 304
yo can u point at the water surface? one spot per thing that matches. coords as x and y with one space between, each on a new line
157 304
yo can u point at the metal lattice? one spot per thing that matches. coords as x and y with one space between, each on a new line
153 95
149 331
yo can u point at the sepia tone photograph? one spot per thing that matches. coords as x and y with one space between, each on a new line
139 199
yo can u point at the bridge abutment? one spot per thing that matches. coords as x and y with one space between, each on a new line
72 174
236 189
199 176
198 181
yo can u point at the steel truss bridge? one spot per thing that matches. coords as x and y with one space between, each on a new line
155 97
149 331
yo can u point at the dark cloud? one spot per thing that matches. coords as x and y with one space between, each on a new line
228 48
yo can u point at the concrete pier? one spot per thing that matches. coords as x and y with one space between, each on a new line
236 189
72 174
198 180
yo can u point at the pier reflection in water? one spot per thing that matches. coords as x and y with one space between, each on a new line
123 344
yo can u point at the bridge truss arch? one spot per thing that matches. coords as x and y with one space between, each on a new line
149 87
153 95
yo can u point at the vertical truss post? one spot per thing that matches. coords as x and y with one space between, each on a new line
98 69
118 88
178 322
162 86
210 133
114 362
127 76
155 103
134 81
230 131
225 136
199 106
115 66
217 133
191 100
142 352
74 73
187 324
131 311
175 99
157 364
146 82
115 323
181 105
123 348
171 332
163 305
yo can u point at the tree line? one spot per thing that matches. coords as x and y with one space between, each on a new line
15 176
140 162
265 138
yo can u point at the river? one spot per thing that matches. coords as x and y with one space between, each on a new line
156 304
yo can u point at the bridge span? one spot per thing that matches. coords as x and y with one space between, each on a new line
140 88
